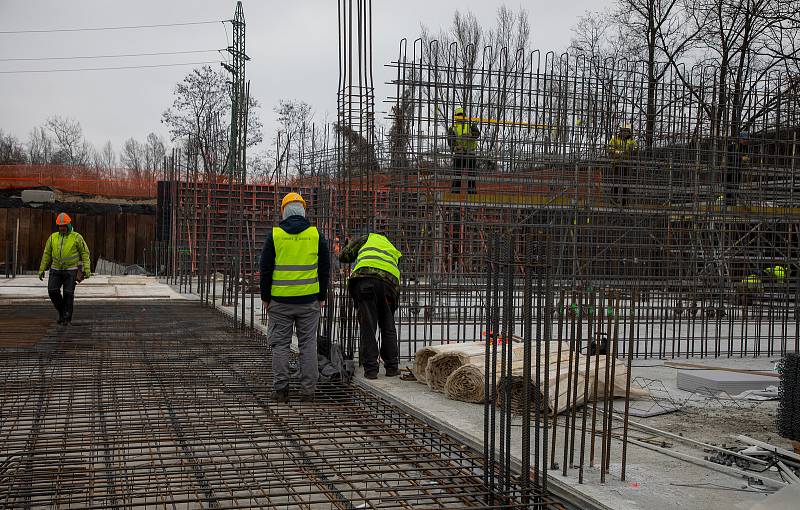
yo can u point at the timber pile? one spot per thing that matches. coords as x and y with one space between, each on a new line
558 374
459 371
442 366
424 355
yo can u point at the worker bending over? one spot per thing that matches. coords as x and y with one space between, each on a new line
67 257
294 283
374 285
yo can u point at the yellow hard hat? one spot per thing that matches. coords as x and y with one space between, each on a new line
292 197
458 112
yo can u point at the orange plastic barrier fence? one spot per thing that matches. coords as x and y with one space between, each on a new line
114 183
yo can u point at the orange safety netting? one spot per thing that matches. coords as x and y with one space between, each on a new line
115 182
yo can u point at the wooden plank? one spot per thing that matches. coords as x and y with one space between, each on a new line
109 239
119 238
100 231
130 239
34 246
3 233
24 235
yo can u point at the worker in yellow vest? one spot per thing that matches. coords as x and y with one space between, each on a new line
776 273
622 147
67 257
295 268
374 285
462 137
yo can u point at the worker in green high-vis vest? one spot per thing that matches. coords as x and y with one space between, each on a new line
294 283
66 255
374 285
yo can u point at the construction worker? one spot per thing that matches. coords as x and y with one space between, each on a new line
462 137
776 273
67 257
622 144
295 268
621 147
374 285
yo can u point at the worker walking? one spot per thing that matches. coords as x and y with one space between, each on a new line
462 137
295 268
67 257
374 285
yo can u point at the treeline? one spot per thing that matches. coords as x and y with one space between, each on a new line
60 141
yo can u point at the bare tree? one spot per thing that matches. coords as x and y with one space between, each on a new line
70 145
744 41
11 150
154 152
295 119
653 28
40 146
133 157
105 159
201 112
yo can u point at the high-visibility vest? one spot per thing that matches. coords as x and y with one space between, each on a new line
619 146
380 253
776 271
65 252
296 263
464 139
752 279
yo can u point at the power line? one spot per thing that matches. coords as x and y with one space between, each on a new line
29 59
108 68
94 29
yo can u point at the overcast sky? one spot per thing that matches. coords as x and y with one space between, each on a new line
292 44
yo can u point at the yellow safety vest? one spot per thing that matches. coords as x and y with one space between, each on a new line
380 253
752 279
619 146
776 271
65 252
464 139
296 263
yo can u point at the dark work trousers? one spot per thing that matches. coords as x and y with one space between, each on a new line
464 163
55 281
376 304
620 178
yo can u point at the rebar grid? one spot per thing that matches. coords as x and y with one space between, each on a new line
163 405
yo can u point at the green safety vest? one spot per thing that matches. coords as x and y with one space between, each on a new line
64 252
379 253
752 279
464 140
776 271
296 263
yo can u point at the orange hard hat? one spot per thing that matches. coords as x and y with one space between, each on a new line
63 219
292 197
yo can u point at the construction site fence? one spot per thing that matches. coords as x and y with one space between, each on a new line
114 182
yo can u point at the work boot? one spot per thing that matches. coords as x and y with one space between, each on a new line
281 396
306 397
67 319
371 375
392 371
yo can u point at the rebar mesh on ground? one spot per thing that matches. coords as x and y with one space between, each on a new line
163 405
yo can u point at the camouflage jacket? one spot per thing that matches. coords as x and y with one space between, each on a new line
350 254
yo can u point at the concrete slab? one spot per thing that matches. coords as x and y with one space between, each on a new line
718 381
653 480
99 287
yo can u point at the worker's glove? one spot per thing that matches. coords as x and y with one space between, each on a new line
41 276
